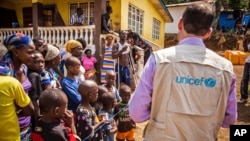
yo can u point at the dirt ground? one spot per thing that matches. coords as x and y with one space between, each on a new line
243 111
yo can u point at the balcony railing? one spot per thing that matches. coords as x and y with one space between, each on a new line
55 35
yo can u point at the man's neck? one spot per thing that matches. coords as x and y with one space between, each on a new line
122 42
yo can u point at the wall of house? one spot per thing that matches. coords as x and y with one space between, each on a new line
116 15
176 13
18 7
149 13
62 6
7 5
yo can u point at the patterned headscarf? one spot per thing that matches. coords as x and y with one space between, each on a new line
72 44
52 52
17 40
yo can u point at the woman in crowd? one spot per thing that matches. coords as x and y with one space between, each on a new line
20 53
89 64
75 49
108 62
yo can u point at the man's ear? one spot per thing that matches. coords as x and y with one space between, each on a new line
207 35
180 24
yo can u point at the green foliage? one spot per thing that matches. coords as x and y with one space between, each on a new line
239 4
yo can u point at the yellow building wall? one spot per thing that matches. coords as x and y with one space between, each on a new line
62 7
19 11
149 13
18 7
119 16
116 15
7 5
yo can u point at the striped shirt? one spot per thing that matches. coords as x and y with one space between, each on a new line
76 18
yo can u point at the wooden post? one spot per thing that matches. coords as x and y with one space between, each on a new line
99 9
37 16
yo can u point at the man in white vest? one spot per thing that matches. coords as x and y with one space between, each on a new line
186 92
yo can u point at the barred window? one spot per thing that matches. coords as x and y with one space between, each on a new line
156 29
87 8
135 19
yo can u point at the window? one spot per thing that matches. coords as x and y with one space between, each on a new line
156 29
135 19
88 11
87 8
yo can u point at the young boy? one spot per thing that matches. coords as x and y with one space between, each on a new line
70 83
110 79
125 124
53 106
106 112
34 70
98 103
88 126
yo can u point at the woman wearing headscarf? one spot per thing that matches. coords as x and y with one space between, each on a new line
75 49
52 59
20 53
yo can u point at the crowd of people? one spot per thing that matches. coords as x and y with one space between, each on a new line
54 92
185 92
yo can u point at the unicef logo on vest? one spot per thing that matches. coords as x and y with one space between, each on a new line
207 82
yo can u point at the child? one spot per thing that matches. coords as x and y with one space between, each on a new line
106 112
98 104
125 124
110 79
70 83
53 104
34 70
89 64
86 119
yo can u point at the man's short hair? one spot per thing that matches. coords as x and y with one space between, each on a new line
79 9
108 8
198 18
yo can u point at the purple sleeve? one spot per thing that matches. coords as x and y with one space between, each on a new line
231 109
139 107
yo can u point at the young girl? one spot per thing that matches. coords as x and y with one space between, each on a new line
110 79
89 64
106 112
87 123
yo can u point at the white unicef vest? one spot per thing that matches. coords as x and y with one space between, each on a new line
191 89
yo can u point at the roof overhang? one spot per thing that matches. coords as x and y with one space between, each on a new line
162 9
188 3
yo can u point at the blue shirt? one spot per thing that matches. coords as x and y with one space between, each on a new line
70 87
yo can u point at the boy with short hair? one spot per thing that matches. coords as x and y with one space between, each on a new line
107 112
125 124
70 83
88 125
57 123
110 79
